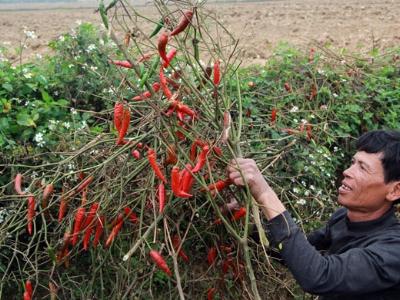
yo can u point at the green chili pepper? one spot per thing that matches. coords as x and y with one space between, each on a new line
160 25
103 13
150 73
195 43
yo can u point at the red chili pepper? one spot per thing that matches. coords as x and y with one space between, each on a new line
91 215
183 22
161 196
27 296
187 179
176 242
117 227
180 107
18 184
309 132
136 154
147 94
211 293
126 119
226 264
86 237
217 150
122 63
170 56
28 288
217 73
99 231
175 184
212 255
151 156
160 262
163 83
162 44
118 114
84 184
63 208
131 215
240 213
287 86
219 185
273 116
48 190
31 213
78 222
201 160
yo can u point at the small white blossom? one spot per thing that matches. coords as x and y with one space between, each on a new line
294 109
73 111
30 34
78 22
93 68
38 138
70 66
335 95
335 149
39 56
312 187
67 125
61 38
307 193
90 48
301 202
295 190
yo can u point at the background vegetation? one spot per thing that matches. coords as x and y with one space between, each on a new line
56 123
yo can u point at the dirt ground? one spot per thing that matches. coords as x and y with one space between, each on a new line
357 25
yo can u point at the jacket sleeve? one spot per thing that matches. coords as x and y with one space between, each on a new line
319 238
356 271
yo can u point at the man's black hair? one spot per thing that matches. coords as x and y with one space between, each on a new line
388 143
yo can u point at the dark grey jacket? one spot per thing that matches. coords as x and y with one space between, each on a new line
344 260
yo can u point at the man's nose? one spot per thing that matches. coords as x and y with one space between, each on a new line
348 171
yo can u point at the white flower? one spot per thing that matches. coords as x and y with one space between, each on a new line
335 149
38 138
61 38
93 68
34 174
101 42
30 34
335 95
90 48
294 109
78 22
39 56
301 202
307 193
67 125
73 111
70 66
312 187
295 190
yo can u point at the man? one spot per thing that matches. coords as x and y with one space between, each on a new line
361 240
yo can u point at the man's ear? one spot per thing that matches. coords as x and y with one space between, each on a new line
394 192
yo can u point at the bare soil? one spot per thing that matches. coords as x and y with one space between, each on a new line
357 25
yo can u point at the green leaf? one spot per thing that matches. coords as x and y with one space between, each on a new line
24 119
46 97
7 87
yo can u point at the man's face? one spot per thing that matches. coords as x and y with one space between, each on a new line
363 188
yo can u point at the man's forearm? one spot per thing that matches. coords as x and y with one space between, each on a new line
270 204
